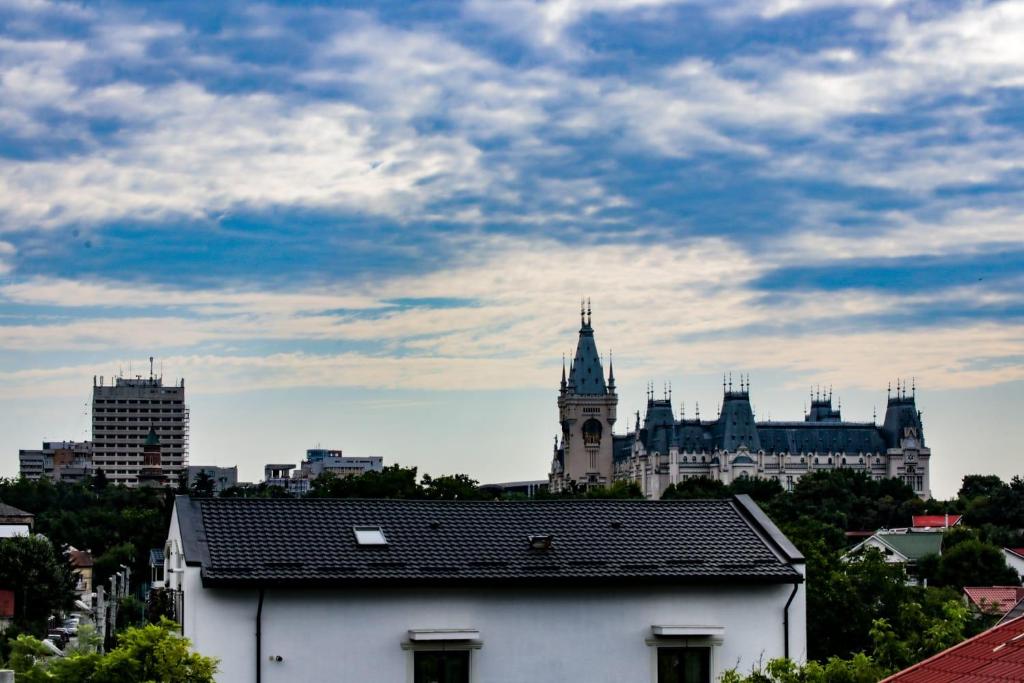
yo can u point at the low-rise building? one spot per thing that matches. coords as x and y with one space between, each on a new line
69 461
1015 560
903 547
221 477
287 477
82 565
935 522
577 590
15 522
993 600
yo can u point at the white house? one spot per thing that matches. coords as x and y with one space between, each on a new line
401 591
1015 560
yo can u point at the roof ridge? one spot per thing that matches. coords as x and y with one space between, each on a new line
948 650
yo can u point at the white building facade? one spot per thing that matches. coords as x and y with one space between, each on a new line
621 607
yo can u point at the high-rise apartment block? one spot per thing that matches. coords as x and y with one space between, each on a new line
124 411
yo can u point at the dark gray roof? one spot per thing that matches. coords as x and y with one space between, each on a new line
11 511
304 542
587 375
820 432
156 557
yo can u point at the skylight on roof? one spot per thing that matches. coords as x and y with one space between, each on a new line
369 535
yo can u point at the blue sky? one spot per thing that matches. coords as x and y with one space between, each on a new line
383 217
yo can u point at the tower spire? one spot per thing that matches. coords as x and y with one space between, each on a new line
611 373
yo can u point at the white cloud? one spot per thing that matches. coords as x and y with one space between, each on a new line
6 251
959 232
689 308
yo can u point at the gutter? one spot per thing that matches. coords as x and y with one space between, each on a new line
259 636
785 623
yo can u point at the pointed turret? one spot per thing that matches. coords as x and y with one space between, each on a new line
562 386
611 374
586 376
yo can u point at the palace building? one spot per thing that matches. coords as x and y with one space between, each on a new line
662 449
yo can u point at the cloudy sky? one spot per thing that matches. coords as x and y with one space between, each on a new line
370 229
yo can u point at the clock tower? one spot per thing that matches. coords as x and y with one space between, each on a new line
586 412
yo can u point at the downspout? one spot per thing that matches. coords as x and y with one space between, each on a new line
259 635
785 623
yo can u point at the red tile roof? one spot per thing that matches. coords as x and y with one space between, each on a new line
991 657
1016 551
935 521
995 599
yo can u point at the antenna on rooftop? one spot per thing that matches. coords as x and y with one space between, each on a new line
151 367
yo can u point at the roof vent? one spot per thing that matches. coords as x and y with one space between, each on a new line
540 541
369 535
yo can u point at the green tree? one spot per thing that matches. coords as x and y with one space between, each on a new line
452 487
974 563
149 653
203 485
696 487
394 481
39 577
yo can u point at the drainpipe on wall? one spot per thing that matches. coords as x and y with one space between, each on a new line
785 622
259 636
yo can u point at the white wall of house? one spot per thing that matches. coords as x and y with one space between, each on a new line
1014 561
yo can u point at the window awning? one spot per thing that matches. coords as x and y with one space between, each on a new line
432 634
688 631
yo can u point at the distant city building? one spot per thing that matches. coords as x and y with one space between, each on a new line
69 461
319 460
123 413
523 488
298 480
282 475
222 477
663 449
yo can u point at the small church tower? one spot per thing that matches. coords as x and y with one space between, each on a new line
586 410
151 474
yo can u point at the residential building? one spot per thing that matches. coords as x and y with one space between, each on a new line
82 565
298 480
69 461
287 477
902 547
993 600
662 449
15 522
935 522
994 656
522 488
1015 560
571 590
320 460
222 477
124 411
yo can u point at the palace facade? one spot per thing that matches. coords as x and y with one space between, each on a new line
662 449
